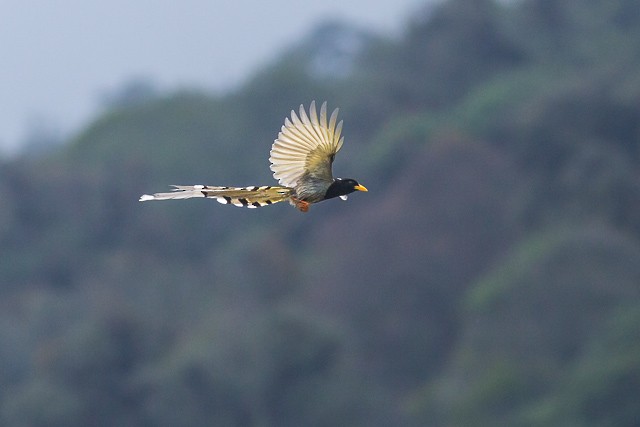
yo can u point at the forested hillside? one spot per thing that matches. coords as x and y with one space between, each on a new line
490 276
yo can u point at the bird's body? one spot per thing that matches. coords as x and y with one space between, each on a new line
301 160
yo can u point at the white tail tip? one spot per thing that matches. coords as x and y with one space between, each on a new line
146 197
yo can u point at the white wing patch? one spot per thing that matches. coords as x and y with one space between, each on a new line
299 137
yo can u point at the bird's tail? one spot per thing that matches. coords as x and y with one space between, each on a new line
250 197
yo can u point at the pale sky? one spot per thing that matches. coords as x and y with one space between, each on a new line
58 57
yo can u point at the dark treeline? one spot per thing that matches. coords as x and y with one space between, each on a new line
491 276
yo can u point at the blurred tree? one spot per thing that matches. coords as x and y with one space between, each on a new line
528 324
447 51
42 136
41 404
454 293
259 368
136 90
448 221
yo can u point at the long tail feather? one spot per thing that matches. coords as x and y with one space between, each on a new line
250 197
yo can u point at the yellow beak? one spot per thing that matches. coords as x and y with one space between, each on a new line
360 188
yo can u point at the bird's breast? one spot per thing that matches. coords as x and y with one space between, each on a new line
311 190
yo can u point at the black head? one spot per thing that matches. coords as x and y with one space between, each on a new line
342 187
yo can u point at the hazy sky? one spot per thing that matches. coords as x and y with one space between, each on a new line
58 57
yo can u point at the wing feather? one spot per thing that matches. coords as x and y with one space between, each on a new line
306 146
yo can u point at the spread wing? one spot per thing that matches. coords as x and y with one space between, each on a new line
306 146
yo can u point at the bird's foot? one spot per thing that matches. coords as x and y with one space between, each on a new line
301 204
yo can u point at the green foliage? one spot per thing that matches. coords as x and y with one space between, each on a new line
489 277
535 328
41 404
262 368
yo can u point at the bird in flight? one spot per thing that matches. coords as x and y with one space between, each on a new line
301 159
